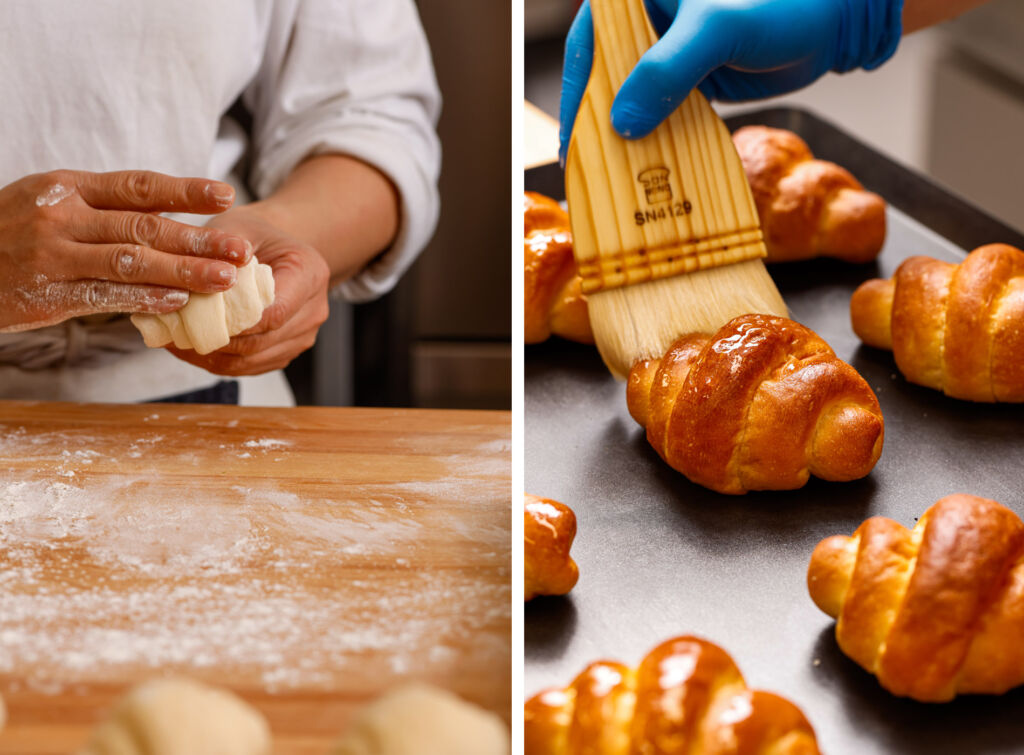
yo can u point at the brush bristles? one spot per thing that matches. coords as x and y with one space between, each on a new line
642 321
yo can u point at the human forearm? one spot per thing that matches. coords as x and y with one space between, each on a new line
917 14
346 209
330 217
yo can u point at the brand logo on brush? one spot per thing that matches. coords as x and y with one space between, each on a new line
656 185
658 191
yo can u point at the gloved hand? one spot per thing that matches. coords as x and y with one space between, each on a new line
731 50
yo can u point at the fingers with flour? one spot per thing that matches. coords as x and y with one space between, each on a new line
164 234
55 302
147 191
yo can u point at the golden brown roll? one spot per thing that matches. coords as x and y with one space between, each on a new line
935 611
554 302
808 208
687 696
548 528
760 405
956 328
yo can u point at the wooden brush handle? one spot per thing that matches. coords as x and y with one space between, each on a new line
673 202
622 34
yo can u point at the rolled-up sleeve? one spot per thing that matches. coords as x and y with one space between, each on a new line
352 77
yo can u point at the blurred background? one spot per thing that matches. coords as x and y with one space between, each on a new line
442 337
950 103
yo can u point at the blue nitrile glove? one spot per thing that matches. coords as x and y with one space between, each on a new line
732 50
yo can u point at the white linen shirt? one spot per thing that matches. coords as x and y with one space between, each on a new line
123 84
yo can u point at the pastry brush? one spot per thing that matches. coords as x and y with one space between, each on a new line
665 229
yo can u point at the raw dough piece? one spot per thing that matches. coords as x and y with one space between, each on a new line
209 321
180 717
418 719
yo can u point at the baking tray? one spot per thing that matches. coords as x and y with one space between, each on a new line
660 556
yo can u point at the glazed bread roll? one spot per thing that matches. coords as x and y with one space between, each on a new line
554 302
687 696
548 528
808 208
933 612
956 328
760 405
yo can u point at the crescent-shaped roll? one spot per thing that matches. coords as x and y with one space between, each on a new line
956 328
209 321
549 528
760 405
808 207
687 696
935 611
554 302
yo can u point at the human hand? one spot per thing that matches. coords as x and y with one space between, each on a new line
731 50
289 325
75 243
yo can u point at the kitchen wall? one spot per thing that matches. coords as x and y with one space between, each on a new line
442 337
462 307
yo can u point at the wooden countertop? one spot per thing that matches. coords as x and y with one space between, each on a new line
306 558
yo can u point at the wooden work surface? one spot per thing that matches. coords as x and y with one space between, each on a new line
308 559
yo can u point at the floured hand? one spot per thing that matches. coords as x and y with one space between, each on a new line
76 243
288 326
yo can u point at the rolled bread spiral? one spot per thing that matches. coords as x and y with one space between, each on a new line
209 321
760 405
554 302
935 611
687 696
549 528
956 328
808 207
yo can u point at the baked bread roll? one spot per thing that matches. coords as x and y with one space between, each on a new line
933 612
687 696
808 208
548 530
554 301
760 405
956 328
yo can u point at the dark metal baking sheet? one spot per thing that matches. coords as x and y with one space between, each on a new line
660 557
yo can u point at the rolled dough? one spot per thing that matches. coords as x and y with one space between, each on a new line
177 716
209 321
419 719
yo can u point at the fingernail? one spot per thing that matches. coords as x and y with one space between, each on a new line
176 298
225 274
234 247
221 194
